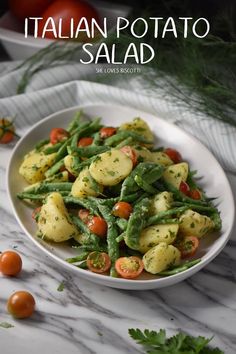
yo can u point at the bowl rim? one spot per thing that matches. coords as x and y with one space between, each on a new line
121 281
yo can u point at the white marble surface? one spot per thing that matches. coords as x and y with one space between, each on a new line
87 318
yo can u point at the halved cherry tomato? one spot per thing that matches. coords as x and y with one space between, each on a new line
98 262
188 246
57 135
195 194
84 215
21 304
86 141
7 131
122 210
184 188
67 10
131 153
35 213
173 154
10 263
98 226
106 132
129 267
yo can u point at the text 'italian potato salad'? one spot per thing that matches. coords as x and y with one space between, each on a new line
128 207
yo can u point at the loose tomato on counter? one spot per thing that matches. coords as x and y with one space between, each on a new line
98 262
21 304
188 246
129 267
86 141
122 210
173 154
106 132
66 10
7 131
28 8
57 135
10 263
98 226
131 153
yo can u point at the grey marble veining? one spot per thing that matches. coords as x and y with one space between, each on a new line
87 318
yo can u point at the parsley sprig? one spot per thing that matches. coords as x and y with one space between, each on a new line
157 343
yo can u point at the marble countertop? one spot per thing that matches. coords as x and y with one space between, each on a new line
87 318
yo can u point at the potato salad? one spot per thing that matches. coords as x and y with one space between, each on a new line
128 207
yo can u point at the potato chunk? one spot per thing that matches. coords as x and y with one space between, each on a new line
161 202
54 223
175 174
195 224
139 126
161 158
144 153
111 167
160 258
155 234
34 166
82 186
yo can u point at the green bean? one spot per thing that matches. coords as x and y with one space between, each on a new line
91 247
136 223
41 143
97 139
75 122
181 268
130 197
94 185
91 150
154 174
127 141
112 233
215 217
79 258
162 214
129 185
85 203
51 149
144 185
74 142
121 135
120 237
51 187
91 238
55 168
82 265
122 223
25 195
195 207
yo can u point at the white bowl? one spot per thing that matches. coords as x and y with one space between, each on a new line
19 48
213 181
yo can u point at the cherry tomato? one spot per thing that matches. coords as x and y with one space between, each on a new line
188 246
10 263
84 215
7 131
122 210
35 213
85 141
173 154
184 188
66 10
57 135
131 153
106 132
129 267
21 304
195 194
98 226
98 262
28 8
